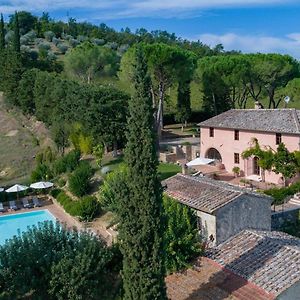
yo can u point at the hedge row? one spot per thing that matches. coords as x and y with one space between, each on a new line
87 208
279 194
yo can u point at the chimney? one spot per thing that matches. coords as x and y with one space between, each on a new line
257 105
184 169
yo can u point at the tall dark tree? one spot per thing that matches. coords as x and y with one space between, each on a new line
2 34
141 226
184 111
11 75
16 41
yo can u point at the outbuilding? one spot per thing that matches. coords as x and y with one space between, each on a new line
223 209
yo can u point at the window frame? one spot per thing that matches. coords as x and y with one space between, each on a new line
278 138
236 135
236 158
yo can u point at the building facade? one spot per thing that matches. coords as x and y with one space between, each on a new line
223 210
226 136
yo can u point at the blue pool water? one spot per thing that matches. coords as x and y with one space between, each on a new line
11 224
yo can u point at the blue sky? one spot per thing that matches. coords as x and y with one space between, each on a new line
246 25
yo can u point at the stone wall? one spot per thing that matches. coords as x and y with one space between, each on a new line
246 212
278 219
207 226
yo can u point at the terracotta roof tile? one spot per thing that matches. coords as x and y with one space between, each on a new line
207 280
270 260
203 193
270 120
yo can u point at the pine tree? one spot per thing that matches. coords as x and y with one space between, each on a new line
2 34
16 42
141 226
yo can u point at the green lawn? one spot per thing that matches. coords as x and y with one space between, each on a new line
164 170
167 170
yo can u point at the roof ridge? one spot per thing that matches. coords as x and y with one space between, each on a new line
226 186
277 240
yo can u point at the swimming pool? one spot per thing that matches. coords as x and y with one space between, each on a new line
10 224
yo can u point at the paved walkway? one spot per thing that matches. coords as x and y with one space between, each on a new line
108 235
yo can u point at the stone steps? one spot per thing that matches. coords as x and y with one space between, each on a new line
295 200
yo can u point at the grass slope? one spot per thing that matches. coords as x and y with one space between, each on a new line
20 140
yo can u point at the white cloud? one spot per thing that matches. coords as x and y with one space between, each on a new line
133 8
289 44
11 6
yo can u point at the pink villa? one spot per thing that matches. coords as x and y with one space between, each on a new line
225 137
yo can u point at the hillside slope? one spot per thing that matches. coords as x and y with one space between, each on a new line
21 138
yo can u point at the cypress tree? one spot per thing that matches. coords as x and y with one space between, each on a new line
141 227
183 102
16 43
11 75
2 34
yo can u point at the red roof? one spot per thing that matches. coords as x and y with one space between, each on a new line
208 280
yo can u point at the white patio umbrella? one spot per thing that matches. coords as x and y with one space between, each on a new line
1 189
200 161
41 185
16 189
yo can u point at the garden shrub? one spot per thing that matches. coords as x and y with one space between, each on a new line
70 206
279 194
67 163
86 208
41 172
55 192
181 236
79 181
113 189
51 262
89 208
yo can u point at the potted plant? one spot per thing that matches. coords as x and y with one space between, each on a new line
236 171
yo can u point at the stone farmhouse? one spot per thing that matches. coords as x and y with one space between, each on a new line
223 210
244 260
225 137
270 260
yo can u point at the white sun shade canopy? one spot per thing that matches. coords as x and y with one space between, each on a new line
200 161
16 188
41 185
1 189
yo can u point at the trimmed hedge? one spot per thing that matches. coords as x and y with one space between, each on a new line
86 208
70 206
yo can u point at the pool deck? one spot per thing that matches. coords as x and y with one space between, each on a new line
64 218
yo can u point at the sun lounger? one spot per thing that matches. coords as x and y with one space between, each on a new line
26 204
36 202
2 209
12 205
